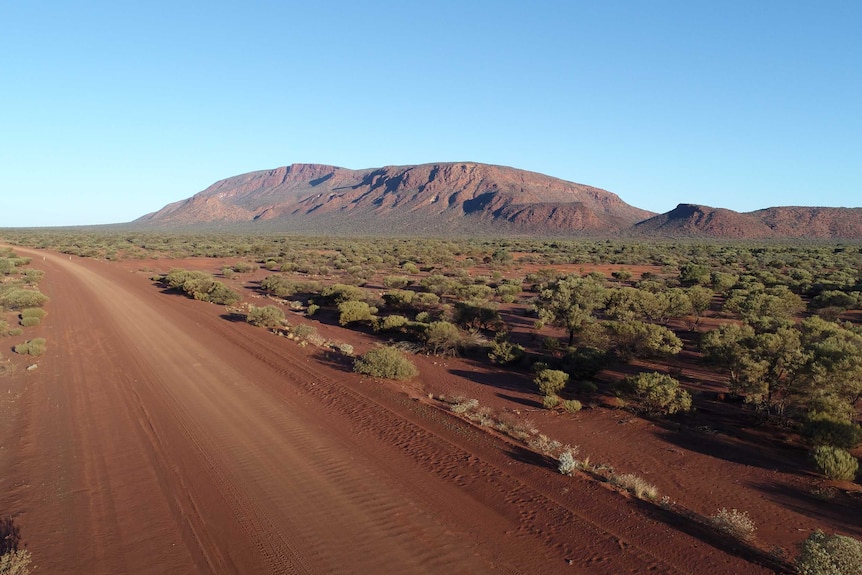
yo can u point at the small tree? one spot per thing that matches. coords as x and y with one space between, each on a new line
659 394
551 381
835 463
570 303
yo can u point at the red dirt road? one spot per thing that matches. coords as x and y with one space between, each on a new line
158 437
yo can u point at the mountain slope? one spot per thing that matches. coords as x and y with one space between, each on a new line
458 197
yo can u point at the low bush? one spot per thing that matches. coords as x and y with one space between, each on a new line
266 316
350 311
442 338
396 282
201 286
17 299
551 401
584 362
34 346
504 353
822 554
823 429
835 463
36 312
735 523
571 405
567 463
303 331
385 362
344 349
463 406
15 562
635 485
390 322
545 445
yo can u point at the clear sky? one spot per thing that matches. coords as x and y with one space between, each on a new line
110 110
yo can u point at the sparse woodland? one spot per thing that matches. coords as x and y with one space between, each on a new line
779 325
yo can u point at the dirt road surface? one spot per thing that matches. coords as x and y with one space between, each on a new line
157 436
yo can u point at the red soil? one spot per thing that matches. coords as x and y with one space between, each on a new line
158 436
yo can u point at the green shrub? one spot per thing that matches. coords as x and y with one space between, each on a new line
584 362
30 321
201 286
34 346
385 362
36 312
266 316
352 311
339 293
835 463
303 331
442 338
571 405
219 293
551 381
311 309
551 401
503 353
244 267
23 298
390 322
396 282
658 393
822 554
33 277
823 429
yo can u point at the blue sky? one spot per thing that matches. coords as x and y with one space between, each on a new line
110 111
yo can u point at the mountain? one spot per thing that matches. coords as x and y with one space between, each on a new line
465 198
690 220
460 197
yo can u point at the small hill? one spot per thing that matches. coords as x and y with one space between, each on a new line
460 197
695 221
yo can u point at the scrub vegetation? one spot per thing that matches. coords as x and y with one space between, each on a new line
777 325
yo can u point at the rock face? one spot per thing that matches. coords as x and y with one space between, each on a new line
430 198
467 198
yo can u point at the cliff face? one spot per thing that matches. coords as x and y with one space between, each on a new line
468 198
449 197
